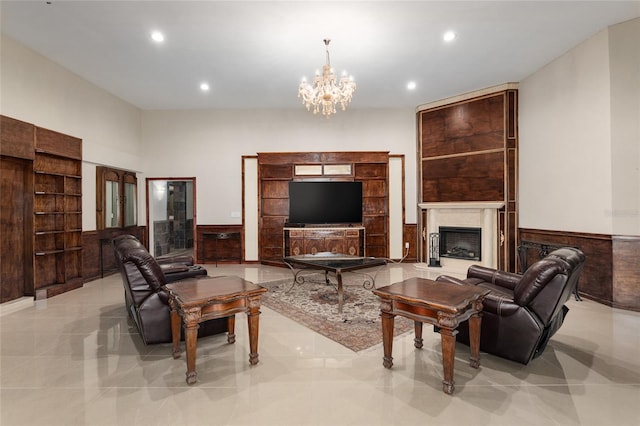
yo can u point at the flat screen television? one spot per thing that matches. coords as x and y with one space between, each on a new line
325 202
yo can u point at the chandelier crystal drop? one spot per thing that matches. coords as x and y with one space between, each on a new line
326 91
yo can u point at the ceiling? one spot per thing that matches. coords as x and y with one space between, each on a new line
254 53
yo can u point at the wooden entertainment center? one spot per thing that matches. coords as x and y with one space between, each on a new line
275 171
313 240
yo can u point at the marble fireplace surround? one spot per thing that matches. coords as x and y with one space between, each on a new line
481 214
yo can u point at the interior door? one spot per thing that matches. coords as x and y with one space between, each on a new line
16 267
171 215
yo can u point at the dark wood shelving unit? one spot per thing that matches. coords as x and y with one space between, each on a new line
57 205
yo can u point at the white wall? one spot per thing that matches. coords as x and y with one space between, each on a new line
624 62
38 91
579 138
209 145
565 142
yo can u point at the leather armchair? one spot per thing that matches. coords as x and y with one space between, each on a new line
175 268
522 312
146 300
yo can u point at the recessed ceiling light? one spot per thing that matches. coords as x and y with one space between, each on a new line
411 85
204 87
449 36
157 36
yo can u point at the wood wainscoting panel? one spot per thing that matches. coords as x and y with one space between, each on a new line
93 267
626 270
411 236
596 281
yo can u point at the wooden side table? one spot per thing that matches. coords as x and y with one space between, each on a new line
198 300
442 304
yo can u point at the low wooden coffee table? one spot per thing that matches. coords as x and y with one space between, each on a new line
442 304
336 263
197 300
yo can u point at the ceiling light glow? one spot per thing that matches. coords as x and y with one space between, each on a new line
411 85
204 87
449 36
157 36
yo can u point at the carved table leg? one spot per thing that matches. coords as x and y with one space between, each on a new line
191 342
417 341
253 318
474 340
448 338
176 321
340 292
231 329
387 338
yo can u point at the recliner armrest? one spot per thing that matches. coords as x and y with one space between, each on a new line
449 279
185 259
496 277
499 305
168 268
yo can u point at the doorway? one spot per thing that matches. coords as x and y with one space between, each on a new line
171 216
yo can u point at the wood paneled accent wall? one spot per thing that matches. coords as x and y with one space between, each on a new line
468 151
276 170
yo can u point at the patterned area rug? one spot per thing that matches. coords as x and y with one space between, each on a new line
314 304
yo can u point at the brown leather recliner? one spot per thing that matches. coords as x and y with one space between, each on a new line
146 300
522 312
175 268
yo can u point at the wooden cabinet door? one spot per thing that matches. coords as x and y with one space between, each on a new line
352 246
296 247
335 245
314 245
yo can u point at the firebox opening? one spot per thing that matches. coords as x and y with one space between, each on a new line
461 243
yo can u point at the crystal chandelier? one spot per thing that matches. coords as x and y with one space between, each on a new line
326 92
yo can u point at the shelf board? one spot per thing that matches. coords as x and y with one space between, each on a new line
46 252
42 172
49 193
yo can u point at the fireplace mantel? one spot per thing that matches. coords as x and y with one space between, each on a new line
463 205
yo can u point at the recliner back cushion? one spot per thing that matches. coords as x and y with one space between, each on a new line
536 278
147 266
574 258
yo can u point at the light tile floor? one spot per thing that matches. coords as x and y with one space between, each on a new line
75 359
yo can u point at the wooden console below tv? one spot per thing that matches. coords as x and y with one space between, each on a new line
318 239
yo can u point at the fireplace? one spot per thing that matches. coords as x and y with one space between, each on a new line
461 242
481 217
